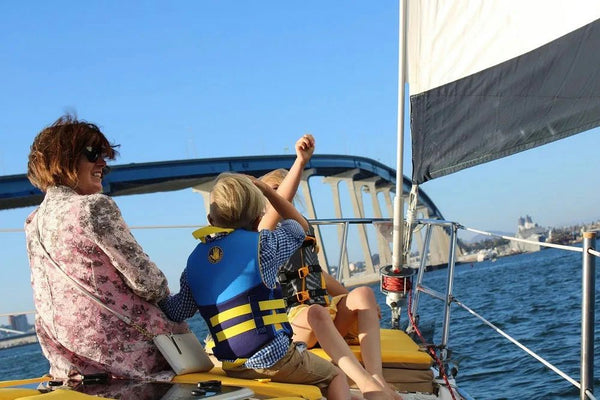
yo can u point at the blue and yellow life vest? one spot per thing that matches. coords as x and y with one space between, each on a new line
301 278
242 313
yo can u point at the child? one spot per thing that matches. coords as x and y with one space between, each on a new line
231 279
312 314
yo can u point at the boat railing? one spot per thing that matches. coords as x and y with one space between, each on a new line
345 223
589 254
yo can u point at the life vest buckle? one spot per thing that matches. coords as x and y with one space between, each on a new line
302 296
303 271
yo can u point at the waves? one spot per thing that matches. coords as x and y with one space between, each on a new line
536 299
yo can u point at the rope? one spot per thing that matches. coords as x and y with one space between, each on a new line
429 347
399 284
594 252
17 313
556 246
8 230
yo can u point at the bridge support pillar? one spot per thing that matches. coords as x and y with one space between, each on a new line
310 209
356 200
385 254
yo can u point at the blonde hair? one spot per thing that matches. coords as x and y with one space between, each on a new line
275 177
235 202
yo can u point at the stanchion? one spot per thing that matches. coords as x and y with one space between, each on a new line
588 298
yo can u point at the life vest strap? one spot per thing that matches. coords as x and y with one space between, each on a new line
245 326
305 295
301 273
264 305
309 241
205 231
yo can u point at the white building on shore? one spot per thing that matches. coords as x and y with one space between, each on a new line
529 230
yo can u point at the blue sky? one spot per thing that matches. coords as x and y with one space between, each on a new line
196 79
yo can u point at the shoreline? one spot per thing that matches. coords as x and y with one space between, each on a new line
21 340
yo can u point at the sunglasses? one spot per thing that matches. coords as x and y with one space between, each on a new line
92 153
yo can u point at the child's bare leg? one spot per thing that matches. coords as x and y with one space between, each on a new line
334 345
360 304
302 330
338 388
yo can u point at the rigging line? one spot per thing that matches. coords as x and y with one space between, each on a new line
17 313
556 246
131 227
164 226
517 343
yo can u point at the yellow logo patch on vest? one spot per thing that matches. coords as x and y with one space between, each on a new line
215 254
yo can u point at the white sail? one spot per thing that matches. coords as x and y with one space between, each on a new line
488 79
448 40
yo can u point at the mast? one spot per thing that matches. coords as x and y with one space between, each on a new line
397 253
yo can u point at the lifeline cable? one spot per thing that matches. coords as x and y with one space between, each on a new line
519 344
544 244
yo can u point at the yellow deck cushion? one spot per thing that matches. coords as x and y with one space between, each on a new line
398 350
8 391
59 394
15 393
260 387
22 382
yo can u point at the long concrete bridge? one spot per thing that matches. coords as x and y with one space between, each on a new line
359 175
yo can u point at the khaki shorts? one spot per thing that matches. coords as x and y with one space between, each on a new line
297 366
352 335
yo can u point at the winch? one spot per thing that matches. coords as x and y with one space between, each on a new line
396 285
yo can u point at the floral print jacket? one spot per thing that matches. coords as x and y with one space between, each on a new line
87 236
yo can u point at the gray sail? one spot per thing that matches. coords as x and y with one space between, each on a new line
540 96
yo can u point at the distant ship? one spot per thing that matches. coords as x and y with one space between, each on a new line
531 231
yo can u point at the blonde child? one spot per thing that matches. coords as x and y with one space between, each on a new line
327 311
231 279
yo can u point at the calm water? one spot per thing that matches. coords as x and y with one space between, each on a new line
535 298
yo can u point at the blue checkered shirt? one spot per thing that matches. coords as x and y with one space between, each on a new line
276 247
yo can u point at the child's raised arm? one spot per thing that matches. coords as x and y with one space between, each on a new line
305 147
283 207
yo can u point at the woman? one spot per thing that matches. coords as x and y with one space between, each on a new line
83 232
325 310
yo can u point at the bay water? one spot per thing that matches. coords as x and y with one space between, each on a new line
534 297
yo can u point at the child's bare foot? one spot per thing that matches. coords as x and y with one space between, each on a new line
356 396
387 387
377 395
373 390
